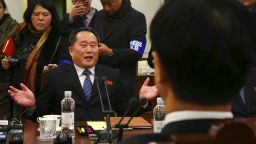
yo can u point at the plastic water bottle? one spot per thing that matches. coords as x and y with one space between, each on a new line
67 113
159 115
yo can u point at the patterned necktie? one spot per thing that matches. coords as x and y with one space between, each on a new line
242 95
85 21
87 87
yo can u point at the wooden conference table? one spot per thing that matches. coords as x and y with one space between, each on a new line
31 133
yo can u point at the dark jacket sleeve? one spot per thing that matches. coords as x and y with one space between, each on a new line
121 97
46 100
137 32
123 41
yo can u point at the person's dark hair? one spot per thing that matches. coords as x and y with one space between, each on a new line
206 48
3 3
47 4
72 35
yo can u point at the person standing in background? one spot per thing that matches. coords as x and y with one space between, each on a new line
81 15
41 43
244 104
122 31
8 28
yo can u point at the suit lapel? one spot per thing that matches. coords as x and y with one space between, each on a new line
73 78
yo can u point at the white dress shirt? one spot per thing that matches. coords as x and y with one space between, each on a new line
81 76
190 115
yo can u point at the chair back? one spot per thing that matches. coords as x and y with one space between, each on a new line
227 131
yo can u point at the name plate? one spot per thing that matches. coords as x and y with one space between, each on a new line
3 122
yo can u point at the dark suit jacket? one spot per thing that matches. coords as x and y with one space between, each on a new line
130 27
65 78
78 21
199 126
240 109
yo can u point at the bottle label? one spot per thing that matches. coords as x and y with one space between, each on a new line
67 118
158 126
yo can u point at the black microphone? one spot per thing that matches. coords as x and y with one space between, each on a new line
132 103
143 101
121 126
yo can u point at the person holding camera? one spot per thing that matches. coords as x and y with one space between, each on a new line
8 28
40 41
81 15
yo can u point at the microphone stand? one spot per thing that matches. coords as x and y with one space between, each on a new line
121 131
122 126
108 129
108 132
132 103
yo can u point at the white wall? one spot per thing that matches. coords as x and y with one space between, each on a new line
15 9
148 7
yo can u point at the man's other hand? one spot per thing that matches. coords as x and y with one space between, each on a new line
23 97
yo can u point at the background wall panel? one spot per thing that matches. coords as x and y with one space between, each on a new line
148 7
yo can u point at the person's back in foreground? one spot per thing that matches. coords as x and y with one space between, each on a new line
202 53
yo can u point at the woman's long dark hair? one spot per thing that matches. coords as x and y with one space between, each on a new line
3 3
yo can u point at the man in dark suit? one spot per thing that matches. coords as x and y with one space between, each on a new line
81 15
203 51
244 104
84 52
122 31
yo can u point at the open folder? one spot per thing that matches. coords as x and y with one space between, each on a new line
136 122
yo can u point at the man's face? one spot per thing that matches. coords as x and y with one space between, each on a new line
111 6
85 3
85 50
248 3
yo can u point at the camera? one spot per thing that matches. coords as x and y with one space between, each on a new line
15 135
3 131
63 138
13 61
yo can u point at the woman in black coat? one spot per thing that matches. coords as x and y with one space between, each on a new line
39 42
8 28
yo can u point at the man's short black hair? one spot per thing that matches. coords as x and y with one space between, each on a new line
206 48
72 35
47 4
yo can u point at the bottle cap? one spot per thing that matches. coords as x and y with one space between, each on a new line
67 93
159 101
